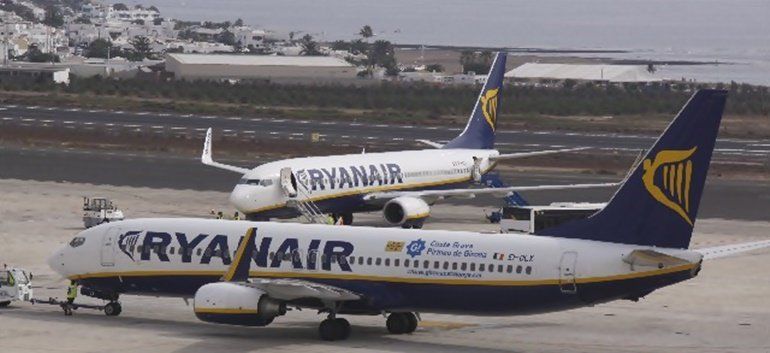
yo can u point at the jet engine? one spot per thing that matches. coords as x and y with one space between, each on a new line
406 211
235 304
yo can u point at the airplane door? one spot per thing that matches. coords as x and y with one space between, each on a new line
567 272
476 171
108 246
288 182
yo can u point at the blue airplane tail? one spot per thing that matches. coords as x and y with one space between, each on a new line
479 133
658 203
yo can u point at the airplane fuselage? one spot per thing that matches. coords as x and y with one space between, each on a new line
337 184
392 269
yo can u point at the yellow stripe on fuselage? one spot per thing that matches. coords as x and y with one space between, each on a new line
381 188
239 255
392 279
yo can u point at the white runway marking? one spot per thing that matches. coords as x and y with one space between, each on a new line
234 118
178 128
158 127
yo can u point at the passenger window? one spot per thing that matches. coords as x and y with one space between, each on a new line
360 260
406 262
518 269
131 249
463 266
426 264
287 256
378 262
446 265
387 262
416 263
207 252
353 260
271 256
500 268
342 260
199 252
369 261
311 256
171 250
454 265
323 258
436 265
481 267
510 268
333 259
529 270
396 262
139 249
473 266
491 267
297 257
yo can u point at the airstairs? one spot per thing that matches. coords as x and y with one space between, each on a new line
299 198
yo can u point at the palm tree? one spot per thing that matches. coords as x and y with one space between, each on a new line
309 46
366 32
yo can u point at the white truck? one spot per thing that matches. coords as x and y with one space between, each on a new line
98 210
530 219
14 286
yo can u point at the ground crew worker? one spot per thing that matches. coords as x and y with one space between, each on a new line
220 215
330 219
72 293
237 216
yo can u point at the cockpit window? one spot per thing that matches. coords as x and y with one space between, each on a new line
77 241
249 181
266 182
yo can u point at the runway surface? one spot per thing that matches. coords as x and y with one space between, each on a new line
745 200
353 133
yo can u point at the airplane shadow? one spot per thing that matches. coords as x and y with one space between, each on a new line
226 339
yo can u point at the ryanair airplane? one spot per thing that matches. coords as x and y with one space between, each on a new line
250 273
402 184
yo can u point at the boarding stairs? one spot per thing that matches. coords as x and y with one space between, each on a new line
299 198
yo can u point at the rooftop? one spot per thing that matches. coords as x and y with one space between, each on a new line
259 60
610 73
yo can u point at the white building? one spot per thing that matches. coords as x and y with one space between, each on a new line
248 36
260 67
582 72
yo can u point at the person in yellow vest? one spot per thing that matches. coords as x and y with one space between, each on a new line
72 293
330 219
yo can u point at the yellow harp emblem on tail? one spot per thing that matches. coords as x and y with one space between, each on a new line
675 167
489 106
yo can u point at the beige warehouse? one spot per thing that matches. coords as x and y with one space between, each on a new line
260 67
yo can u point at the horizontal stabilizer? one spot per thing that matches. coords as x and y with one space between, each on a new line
653 258
536 153
207 160
430 143
733 249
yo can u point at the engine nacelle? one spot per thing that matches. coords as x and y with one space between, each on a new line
234 304
406 211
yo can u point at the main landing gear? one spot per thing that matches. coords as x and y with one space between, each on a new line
334 329
400 323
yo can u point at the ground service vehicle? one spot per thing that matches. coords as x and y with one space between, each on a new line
98 210
14 286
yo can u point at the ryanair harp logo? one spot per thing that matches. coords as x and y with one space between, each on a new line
489 106
675 170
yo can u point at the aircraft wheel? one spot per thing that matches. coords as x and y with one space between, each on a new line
334 329
5 304
113 309
412 319
397 323
347 219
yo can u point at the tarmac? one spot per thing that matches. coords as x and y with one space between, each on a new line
344 132
725 309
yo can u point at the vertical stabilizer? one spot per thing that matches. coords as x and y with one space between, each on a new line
479 133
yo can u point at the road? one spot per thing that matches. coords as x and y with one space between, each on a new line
351 133
729 199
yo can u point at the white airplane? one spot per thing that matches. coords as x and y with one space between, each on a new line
250 273
402 184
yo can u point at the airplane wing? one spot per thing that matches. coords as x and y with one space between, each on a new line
278 288
535 153
207 160
733 249
292 289
470 193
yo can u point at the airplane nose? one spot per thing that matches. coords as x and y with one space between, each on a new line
56 261
241 198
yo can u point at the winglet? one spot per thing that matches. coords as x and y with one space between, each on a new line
239 268
207 160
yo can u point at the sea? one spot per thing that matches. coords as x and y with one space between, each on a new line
733 36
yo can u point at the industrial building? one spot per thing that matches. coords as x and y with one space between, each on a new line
260 67
582 72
